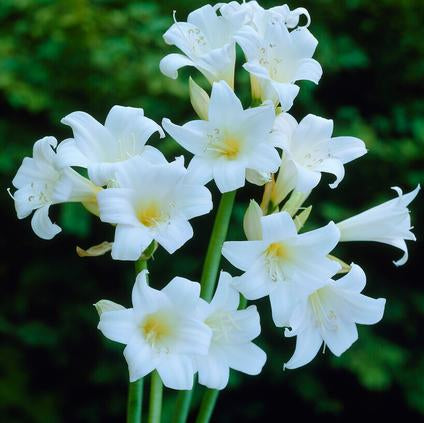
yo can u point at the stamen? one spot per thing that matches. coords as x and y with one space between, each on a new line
10 193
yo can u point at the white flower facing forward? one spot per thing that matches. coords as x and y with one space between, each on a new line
233 331
389 223
41 183
206 40
284 265
102 148
160 332
152 202
309 149
277 59
230 142
330 315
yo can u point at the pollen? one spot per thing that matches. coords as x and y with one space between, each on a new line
231 148
277 250
149 215
155 329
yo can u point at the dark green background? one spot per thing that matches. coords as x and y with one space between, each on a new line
60 56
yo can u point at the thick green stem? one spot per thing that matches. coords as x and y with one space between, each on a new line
155 402
207 406
208 281
213 255
135 397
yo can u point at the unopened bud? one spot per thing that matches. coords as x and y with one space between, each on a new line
106 305
199 99
252 221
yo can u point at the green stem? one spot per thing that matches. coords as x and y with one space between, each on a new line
155 402
213 255
208 280
207 406
135 397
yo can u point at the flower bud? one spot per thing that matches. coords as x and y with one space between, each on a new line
252 221
106 305
199 99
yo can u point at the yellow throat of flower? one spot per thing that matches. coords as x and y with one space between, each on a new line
155 328
276 250
149 215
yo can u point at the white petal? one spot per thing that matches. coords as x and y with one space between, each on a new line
308 70
195 200
224 105
191 136
213 372
255 283
284 127
171 63
335 167
283 300
130 242
363 309
200 170
194 337
68 154
146 299
286 94
183 293
118 325
246 358
304 41
176 371
265 158
354 281
306 179
308 344
229 175
311 130
140 358
153 155
342 338
246 327
242 254
174 234
322 239
115 206
277 227
42 225
256 123
347 149
43 150
225 297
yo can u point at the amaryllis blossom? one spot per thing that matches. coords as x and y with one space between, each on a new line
284 264
233 330
329 315
389 223
277 59
102 148
310 149
152 202
206 40
160 331
40 182
231 141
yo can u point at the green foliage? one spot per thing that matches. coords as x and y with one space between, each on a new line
58 56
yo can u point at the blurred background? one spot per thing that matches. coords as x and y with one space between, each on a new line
60 56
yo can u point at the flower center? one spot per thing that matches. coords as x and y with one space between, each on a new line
224 145
150 215
323 317
155 328
221 323
275 255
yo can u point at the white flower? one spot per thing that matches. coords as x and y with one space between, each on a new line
152 202
277 59
233 331
102 148
160 332
389 223
231 141
330 315
309 150
40 183
206 40
283 265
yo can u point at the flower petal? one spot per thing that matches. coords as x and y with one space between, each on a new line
224 105
173 234
213 372
229 175
140 358
171 63
242 254
247 358
308 343
130 242
342 338
347 149
176 371
278 227
118 325
42 225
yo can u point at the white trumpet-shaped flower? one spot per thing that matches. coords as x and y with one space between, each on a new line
310 149
389 223
329 315
102 148
206 40
233 330
152 202
283 264
161 331
40 182
231 141
277 59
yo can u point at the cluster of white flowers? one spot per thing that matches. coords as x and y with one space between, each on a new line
150 201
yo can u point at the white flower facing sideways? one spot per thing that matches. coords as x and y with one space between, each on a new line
277 59
389 223
310 149
40 182
283 264
233 331
231 141
206 40
102 148
152 202
161 331
330 315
